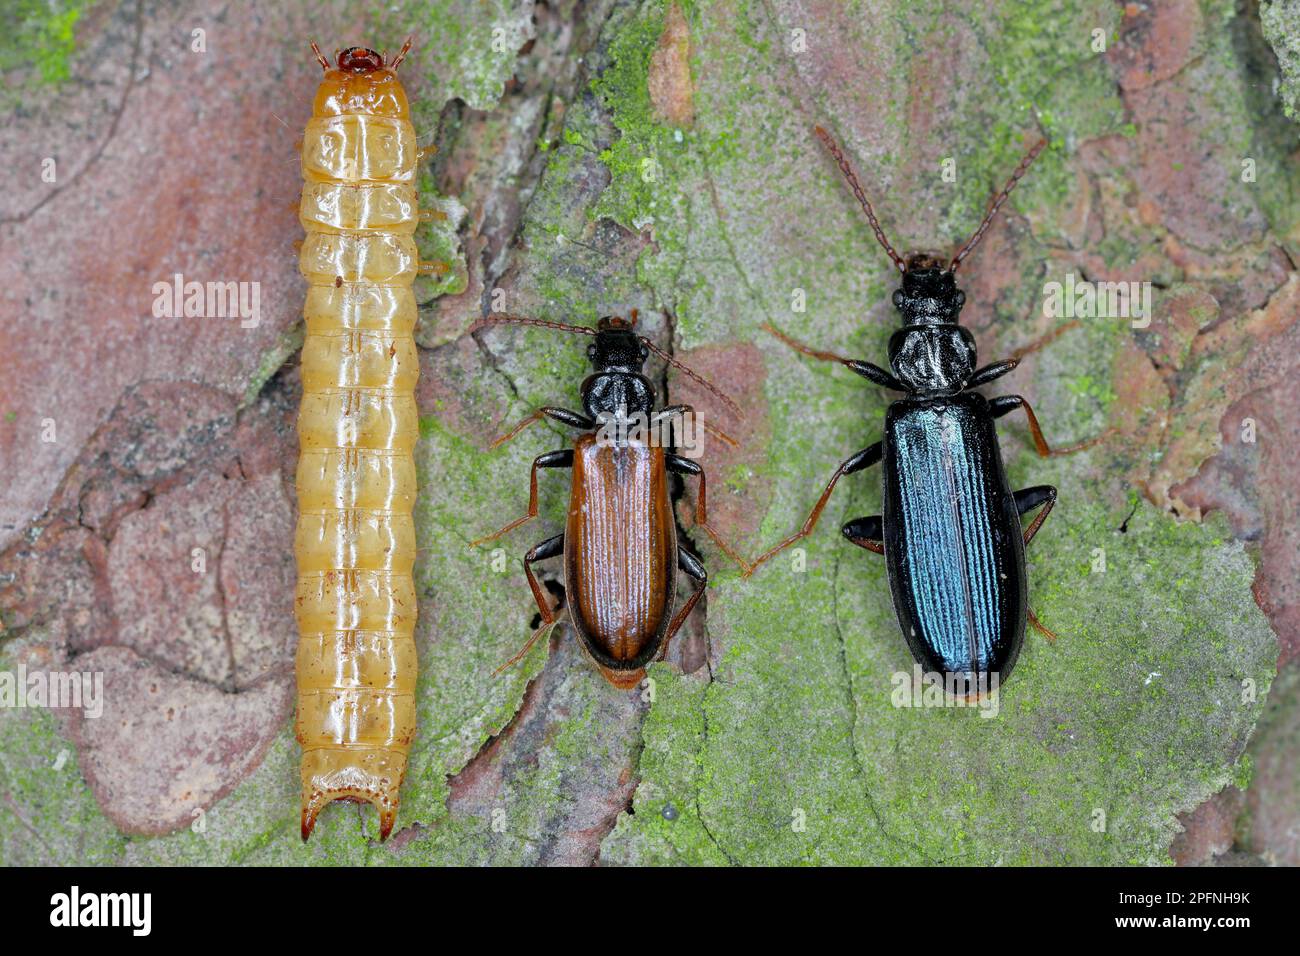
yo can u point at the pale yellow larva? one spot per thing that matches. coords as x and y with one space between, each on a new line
357 429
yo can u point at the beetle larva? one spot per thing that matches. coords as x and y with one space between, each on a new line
357 428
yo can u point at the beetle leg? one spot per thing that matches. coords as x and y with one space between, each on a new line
873 373
552 459
691 565
1007 403
672 410
684 466
863 459
1028 499
1039 626
549 548
866 533
668 411
561 415
989 372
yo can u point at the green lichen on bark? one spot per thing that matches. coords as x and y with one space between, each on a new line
37 48
795 751
1281 22
466 48
787 747
49 815
1139 710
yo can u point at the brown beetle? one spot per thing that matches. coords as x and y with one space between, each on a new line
620 546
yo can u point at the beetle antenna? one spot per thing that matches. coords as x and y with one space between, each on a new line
504 318
854 185
406 48
320 57
998 200
693 376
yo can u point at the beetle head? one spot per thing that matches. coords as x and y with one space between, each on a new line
617 347
931 353
618 356
928 294
617 385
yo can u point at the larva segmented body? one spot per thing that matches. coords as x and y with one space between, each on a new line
357 429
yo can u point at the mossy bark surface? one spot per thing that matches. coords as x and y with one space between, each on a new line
599 157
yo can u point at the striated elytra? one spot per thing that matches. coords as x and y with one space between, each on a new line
950 533
620 544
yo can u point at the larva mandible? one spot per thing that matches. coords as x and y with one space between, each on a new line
357 428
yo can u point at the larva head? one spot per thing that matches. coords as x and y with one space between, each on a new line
359 59
360 83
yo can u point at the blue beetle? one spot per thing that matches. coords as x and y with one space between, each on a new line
950 533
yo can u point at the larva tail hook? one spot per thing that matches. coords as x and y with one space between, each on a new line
387 817
371 775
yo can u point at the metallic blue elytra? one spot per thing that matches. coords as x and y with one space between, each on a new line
953 543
